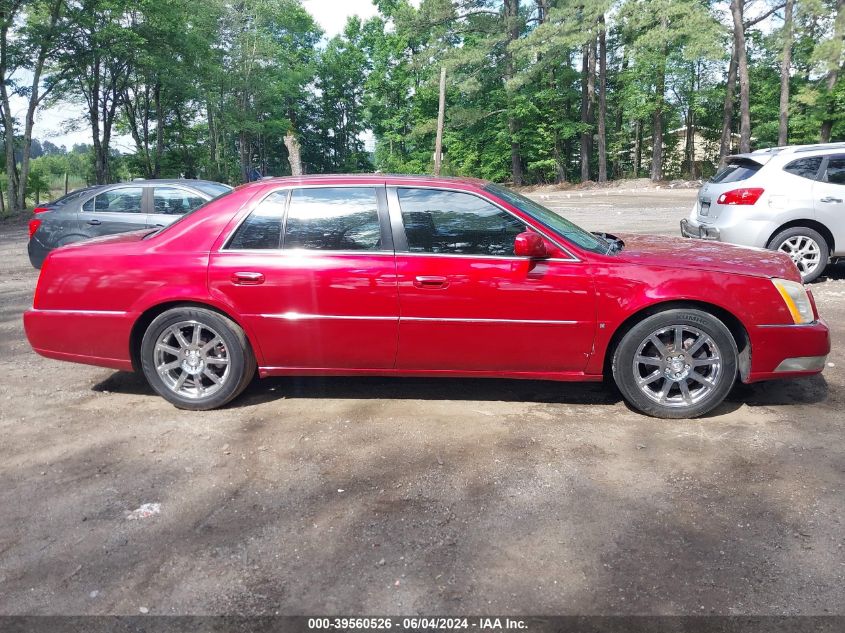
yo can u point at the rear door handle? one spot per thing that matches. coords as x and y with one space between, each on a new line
94 222
431 282
831 199
247 279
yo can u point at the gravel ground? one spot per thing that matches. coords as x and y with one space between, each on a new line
355 496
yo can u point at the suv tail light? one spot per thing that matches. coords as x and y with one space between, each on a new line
33 226
749 195
40 209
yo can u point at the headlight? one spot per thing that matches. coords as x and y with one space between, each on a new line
796 300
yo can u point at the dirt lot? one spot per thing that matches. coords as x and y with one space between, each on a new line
354 496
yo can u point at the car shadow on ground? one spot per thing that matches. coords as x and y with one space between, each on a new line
833 272
801 391
354 387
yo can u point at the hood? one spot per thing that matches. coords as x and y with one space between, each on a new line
680 252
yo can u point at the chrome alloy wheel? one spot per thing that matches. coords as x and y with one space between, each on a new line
678 366
191 359
804 252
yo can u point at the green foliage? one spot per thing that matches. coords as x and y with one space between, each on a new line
210 89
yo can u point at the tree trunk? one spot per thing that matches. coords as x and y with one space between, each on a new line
744 81
833 73
512 26
8 121
638 147
294 155
602 128
785 66
657 117
727 116
159 131
588 87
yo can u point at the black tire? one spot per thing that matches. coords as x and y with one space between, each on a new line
798 232
233 346
722 362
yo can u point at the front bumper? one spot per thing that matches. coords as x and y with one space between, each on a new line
788 351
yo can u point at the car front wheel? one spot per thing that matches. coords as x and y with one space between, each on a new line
196 358
676 364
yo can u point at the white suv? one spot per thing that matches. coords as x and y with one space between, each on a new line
784 198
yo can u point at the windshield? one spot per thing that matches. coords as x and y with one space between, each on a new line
552 220
188 214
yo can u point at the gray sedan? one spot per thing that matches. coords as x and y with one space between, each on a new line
108 209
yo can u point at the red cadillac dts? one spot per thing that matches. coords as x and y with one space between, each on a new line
417 276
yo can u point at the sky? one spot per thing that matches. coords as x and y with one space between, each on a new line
53 124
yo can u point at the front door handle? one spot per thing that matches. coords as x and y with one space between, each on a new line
247 279
431 282
94 222
831 199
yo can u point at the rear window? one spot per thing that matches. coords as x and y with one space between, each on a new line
213 189
71 196
262 230
736 171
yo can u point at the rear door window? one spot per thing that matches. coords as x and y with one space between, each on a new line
834 173
736 171
333 219
805 167
175 201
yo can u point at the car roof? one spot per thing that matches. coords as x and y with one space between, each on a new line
165 181
388 179
798 149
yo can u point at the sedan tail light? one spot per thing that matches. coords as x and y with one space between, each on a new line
748 195
33 226
40 209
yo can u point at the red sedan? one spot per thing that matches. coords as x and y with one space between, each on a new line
416 276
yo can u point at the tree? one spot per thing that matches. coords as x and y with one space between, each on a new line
99 39
341 75
785 67
29 48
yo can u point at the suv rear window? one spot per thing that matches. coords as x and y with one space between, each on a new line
735 171
805 167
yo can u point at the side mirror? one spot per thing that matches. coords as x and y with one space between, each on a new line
529 244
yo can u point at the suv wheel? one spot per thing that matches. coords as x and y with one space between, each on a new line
807 248
676 364
196 359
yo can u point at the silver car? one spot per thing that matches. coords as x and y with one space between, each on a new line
784 198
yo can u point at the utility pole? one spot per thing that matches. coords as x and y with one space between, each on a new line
441 113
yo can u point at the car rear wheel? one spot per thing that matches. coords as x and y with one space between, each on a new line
807 248
676 364
196 358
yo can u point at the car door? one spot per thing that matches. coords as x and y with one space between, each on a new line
312 270
467 303
170 202
116 210
829 199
